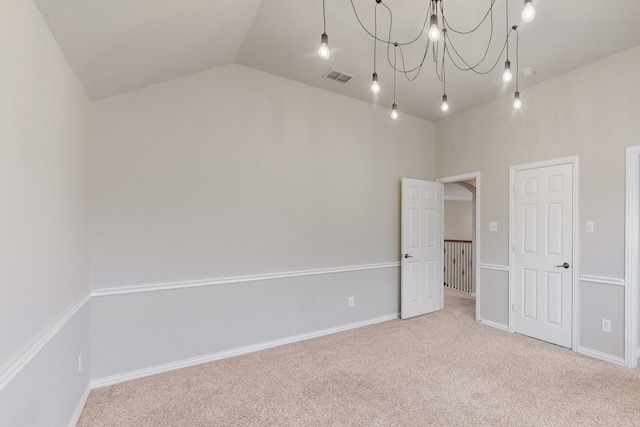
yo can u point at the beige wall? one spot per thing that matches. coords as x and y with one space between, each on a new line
591 112
234 171
43 222
43 166
458 219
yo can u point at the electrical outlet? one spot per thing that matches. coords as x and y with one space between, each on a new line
352 301
80 363
606 325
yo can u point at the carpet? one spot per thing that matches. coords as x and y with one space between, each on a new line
441 369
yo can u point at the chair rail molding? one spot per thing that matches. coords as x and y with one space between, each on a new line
38 344
121 290
494 267
601 280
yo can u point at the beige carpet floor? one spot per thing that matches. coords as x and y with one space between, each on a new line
441 369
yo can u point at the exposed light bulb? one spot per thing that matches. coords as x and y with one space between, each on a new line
507 76
434 31
529 12
324 51
394 111
444 106
516 102
375 86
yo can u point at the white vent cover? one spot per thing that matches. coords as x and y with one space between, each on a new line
337 76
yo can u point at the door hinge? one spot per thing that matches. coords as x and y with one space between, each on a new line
513 306
513 247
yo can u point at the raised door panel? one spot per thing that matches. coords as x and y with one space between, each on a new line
543 206
421 262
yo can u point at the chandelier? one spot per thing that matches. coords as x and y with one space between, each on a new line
441 46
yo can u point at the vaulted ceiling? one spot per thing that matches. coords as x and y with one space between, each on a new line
119 45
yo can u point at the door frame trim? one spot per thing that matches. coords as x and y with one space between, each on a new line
476 255
574 162
632 255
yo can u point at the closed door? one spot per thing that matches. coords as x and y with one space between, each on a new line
421 245
543 246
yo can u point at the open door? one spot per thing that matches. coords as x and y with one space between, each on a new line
421 244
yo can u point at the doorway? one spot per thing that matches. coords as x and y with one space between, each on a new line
458 236
471 182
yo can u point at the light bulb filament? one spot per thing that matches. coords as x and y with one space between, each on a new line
529 12
445 105
375 86
394 111
516 102
324 51
434 31
507 76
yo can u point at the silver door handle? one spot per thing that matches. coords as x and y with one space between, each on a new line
565 265
407 256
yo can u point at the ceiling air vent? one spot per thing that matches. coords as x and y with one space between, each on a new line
337 76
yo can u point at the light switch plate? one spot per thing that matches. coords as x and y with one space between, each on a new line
590 227
493 226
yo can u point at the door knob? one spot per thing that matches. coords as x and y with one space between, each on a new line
407 256
565 265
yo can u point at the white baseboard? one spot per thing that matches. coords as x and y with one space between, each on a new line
493 324
602 356
76 414
127 376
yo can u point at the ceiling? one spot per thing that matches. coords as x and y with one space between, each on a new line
119 45
453 191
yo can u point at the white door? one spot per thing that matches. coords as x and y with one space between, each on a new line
421 258
543 253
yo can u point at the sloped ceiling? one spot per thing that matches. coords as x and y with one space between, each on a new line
119 45
115 46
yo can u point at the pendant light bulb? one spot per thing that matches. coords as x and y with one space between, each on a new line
394 111
375 86
324 51
444 106
507 76
529 12
434 31
516 102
